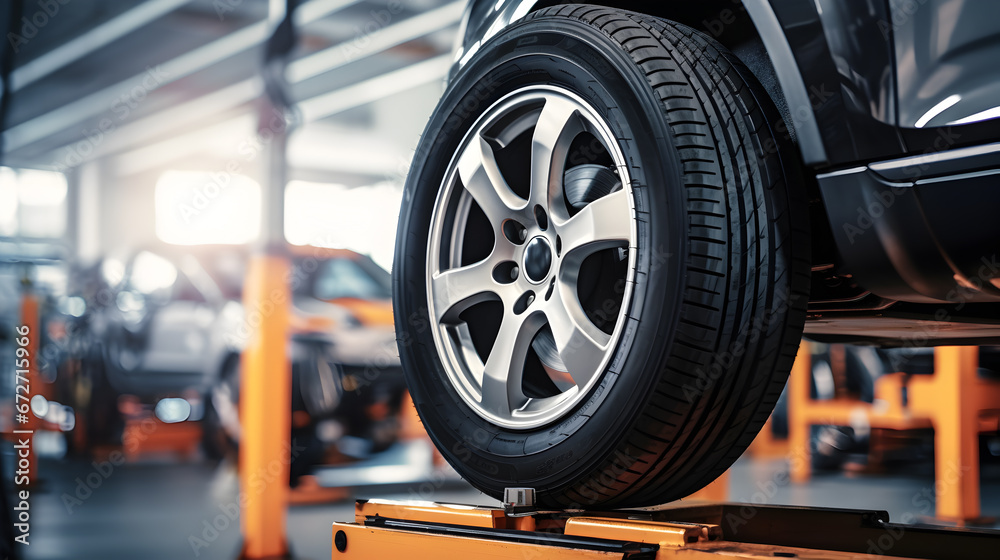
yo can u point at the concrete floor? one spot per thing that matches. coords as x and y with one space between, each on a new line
158 510
163 511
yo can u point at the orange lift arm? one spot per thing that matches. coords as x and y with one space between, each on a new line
386 529
954 401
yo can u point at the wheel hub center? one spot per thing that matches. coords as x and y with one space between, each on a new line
537 259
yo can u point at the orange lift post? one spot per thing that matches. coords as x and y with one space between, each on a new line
954 401
265 410
266 377
31 318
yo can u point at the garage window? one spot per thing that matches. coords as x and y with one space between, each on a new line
201 208
32 203
362 219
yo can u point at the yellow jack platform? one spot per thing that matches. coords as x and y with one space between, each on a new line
423 530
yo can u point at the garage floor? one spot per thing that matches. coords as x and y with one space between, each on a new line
156 511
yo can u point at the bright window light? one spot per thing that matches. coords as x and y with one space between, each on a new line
362 219
32 203
41 188
199 208
151 273
8 201
113 271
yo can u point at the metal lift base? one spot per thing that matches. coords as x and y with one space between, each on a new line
689 530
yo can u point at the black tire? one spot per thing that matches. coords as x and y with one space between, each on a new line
217 442
722 267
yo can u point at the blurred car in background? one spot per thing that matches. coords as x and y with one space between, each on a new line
354 294
162 331
347 384
152 326
166 331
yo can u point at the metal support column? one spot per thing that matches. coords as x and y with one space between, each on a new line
265 393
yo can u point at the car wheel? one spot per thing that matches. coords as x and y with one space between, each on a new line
602 262
221 426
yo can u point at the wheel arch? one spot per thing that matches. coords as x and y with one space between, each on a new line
749 28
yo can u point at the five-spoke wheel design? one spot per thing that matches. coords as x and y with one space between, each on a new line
531 257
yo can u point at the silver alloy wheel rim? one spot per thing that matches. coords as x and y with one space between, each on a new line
538 299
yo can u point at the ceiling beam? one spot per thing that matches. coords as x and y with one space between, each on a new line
190 112
380 87
97 103
189 115
100 36
321 106
346 52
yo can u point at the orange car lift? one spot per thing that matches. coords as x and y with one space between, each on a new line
953 401
31 318
688 530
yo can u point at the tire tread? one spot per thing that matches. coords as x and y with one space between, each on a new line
742 244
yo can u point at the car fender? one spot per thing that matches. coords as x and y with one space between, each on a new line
485 19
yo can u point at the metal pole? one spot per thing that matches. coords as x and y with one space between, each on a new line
265 393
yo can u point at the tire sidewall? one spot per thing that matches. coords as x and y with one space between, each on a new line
574 55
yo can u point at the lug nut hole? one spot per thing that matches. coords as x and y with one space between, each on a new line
506 272
541 218
524 302
514 232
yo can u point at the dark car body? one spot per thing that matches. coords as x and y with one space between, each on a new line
353 293
894 108
347 384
